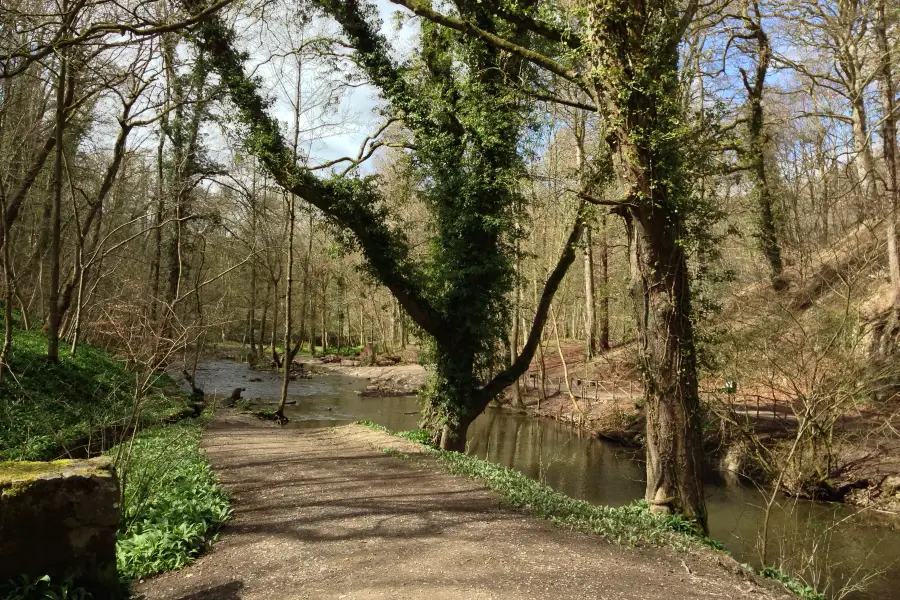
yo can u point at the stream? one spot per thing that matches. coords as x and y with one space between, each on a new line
850 543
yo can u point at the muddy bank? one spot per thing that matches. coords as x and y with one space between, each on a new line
394 380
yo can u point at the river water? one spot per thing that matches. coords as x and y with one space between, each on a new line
831 544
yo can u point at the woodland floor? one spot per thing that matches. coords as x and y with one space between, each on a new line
327 513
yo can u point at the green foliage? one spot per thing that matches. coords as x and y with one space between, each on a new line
421 436
793 585
44 405
43 588
172 503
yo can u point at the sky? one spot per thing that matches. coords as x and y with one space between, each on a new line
356 113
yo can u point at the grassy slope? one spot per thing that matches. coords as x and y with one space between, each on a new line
45 406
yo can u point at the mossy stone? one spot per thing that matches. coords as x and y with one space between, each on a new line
59 519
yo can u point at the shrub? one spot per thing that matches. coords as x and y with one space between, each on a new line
172 503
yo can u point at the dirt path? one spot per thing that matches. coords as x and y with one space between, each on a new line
328 514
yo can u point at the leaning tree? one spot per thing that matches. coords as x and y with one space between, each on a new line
466 124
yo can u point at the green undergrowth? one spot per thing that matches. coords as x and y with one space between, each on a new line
172 503
43 588
793 585
631 525
44 406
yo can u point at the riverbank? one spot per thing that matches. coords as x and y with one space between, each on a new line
355 513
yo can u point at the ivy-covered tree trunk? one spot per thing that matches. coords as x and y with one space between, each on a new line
767 230
638 56
660 294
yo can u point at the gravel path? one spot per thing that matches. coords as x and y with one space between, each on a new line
328 514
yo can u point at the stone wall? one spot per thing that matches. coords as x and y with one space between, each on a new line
59 519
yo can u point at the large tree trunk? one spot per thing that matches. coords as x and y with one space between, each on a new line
449 409
638 44
660 293
891 159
